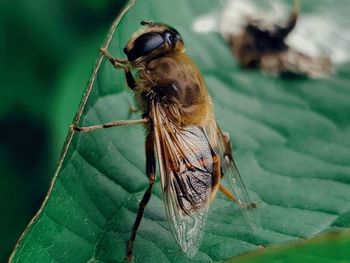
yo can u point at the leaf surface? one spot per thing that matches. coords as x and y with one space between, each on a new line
330 247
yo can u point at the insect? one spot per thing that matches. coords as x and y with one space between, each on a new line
193 153
263 45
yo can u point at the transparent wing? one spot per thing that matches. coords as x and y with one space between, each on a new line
186 167
219 140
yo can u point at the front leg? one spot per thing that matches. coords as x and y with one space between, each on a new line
107 125
120 63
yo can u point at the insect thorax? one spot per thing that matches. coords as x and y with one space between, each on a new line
175 82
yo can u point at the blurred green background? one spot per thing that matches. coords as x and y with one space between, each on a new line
48 49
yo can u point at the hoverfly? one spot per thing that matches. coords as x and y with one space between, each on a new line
193 153
263 45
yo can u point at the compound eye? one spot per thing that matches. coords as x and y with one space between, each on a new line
170 37
176 33
144 44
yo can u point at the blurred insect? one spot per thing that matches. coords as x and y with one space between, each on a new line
193 153
263 45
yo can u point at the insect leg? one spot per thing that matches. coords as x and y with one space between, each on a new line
120 63
116 62
108 125
231 196
150 172
227 144
217 175
227 192
228 158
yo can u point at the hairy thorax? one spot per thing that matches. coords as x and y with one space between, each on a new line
176 84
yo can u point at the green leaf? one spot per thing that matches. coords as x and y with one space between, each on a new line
327 248
290 142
